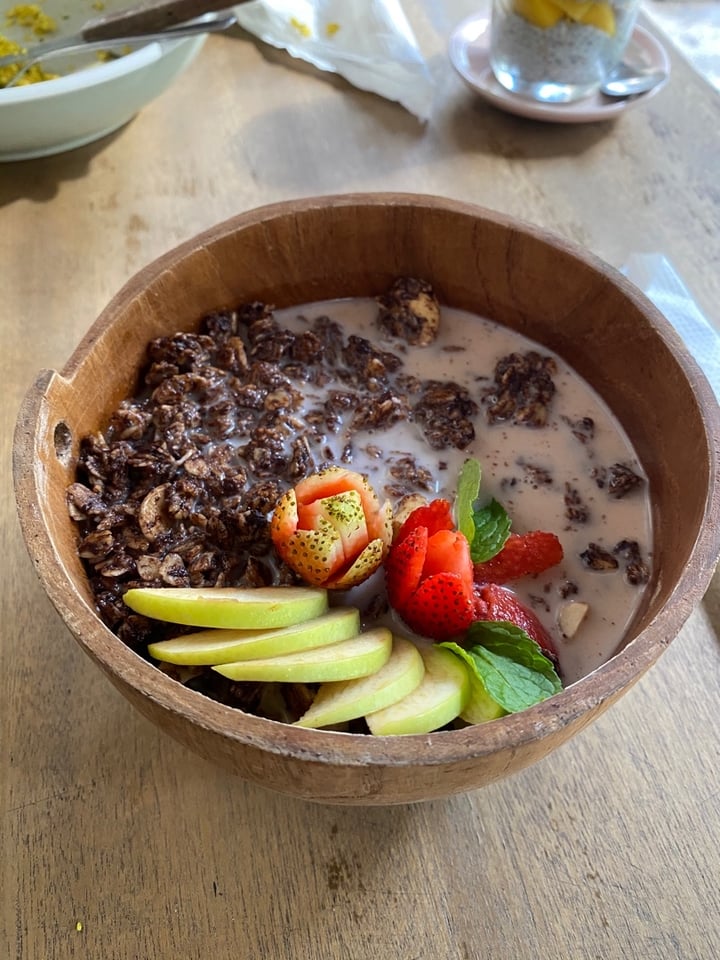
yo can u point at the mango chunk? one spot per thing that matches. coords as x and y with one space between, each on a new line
546 13
541 13
602 16
575 9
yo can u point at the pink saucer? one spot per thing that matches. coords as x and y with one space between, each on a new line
469 54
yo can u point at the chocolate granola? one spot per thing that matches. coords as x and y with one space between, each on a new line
177 490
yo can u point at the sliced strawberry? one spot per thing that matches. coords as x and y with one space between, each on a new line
327 483
344 512
441 607
493 602
331 529
523 555
315 555
366 563
338 480
284 521
449 552
403 568
436 515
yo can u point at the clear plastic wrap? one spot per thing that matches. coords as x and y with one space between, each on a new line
368 42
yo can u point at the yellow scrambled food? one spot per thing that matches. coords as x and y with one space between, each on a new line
32 18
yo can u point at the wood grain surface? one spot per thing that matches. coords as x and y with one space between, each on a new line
117 843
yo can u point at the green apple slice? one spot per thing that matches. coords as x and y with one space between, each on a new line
441 697
480 706
211 647
343 700
345 660
239 608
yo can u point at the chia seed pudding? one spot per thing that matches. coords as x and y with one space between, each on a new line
179 487
562 60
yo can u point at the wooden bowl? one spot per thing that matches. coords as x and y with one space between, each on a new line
296 252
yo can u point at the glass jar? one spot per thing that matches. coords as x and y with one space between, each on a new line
557 51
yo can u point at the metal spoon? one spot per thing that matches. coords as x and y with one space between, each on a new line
629 79
146 17
205 25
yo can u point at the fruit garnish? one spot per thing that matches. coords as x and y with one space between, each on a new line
211 647
541 13
325 528
480 706
440 607
241 608
496 603
522 555
508 665
439 698
602 16
404 508
434 516
429 578
546 13
404 567
491 529
342 700
468 489
574 9
331 529
356 657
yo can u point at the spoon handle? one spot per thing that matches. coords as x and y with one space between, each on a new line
151 16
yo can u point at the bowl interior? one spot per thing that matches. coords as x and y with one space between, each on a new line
69 18
297 252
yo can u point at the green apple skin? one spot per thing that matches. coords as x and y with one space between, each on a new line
211 647
480 707
357 657
440 698
343 700
235 608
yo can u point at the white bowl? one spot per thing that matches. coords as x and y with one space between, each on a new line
78 107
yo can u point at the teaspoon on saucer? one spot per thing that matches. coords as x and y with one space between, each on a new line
628 79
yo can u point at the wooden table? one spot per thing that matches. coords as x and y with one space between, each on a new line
116 842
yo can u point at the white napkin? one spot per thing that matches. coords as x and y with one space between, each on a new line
368 42
658 280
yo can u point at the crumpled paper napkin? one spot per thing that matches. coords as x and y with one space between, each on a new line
368 42
657 278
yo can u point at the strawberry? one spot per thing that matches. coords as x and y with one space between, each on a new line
441 607
331 529
404 567
344 513
337 480
436 515
449 552
523 555
493 602
429 581
364 565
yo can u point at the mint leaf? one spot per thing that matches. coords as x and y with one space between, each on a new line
510 665
491 530
467 493
507 639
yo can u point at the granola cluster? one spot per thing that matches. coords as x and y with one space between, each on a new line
523 389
